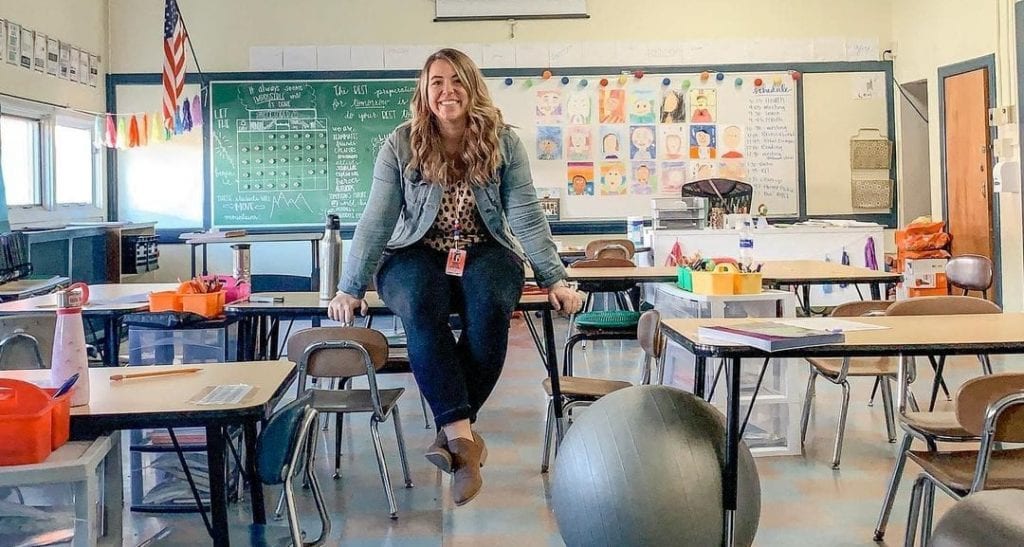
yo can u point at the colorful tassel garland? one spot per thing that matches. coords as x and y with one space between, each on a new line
133 132
197 111
157 128
122 133
98 130
177 122
144 130
186 117
110 136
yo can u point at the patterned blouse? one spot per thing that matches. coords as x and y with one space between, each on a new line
458 205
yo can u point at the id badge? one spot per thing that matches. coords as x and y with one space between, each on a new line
456 262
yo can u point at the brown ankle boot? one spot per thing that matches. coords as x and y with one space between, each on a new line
483 447
466 457
438 453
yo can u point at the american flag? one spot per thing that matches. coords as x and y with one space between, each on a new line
174 60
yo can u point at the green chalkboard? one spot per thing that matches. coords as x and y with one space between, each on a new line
287 152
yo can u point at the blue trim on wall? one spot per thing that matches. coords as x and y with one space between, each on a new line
987 62
596 226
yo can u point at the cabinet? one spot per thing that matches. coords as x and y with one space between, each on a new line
774 426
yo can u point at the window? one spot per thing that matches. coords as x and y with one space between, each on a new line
74 159
19 152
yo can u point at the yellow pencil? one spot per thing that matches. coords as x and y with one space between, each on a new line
119 377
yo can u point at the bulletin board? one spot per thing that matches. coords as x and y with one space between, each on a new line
608 143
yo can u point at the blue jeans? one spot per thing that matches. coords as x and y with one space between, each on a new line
455 376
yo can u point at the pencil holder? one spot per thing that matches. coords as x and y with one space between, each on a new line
716 282
684 278
747 283
206 304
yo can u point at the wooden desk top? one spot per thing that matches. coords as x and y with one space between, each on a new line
108 298
910 335
168 396
204 239
774 271
26 286
305 303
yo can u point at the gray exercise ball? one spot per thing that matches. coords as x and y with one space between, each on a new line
643 466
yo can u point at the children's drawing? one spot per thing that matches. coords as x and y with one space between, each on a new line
733 170
577 107
641 106
673 177
580 176
549 142
641 142
732 142
704 103
611 104
613 179
701 170
579 142
702 142
549 106
645 178
673 106
611 142
673 141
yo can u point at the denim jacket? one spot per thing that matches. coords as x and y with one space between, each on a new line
402 207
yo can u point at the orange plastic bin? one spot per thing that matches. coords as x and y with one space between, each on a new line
32 423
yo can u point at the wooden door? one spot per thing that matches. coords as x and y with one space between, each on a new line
968 177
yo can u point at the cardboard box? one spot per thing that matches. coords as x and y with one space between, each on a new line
924 273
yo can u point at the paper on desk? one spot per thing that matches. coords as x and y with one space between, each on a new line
222 395
829 324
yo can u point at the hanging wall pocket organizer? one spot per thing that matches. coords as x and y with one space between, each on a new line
870 152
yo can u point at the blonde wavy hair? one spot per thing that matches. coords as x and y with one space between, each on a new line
480 153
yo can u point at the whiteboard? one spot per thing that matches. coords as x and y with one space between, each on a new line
462 9
607 150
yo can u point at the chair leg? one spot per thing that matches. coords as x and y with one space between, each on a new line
278 513
986 364
874 391
401 447
714 381
841 430
928 512
915 510
890 419
805 416
383 466
549 425
337 446
894 485
426 414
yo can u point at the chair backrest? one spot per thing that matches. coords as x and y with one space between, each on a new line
969 272
648 333
338 362
26 341
279 440
977 395
610 248
943 305
603 263
859 308
279 283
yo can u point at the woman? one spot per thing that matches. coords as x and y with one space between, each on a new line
450 188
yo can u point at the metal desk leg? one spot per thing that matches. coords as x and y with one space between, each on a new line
204 260
111 340
314 271
732 442
192 248
218 484
242 343
113 492
699 375
552 366
876 291
806 291
275 332
259 512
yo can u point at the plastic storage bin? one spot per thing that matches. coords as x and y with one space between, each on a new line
684 278
208 305
214 342
746 283
164 301
32 423
719 281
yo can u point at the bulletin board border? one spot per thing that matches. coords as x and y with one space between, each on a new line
563 227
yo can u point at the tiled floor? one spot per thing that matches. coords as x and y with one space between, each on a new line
804 502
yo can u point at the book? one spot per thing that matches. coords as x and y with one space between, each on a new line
771 336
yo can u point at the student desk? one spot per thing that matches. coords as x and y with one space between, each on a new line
202 240
905 336
21 288
107 302
163 402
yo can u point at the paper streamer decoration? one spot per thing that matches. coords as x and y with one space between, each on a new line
186 116
156 129
133 132
122 133
144 130
177 121
110 137
98 129
197 111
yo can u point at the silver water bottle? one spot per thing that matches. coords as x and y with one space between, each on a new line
330 258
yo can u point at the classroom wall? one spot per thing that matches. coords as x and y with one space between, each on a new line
80 22
929 34
224 30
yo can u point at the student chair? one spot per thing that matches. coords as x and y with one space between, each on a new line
992 408
610 248
837 370
344 353
931 427
619 289
969 273
26 341
580 391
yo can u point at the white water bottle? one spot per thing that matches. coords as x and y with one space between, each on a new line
746 247
69 355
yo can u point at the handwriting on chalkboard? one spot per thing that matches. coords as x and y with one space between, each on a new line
288 152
